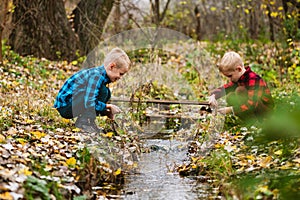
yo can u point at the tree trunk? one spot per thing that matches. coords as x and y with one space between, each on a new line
271 24
198 23
3 18
41 29
253 19
117 17
89 21
158 17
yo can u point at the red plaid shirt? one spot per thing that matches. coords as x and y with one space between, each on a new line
257 91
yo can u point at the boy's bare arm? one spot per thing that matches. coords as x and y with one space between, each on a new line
212 101
226 110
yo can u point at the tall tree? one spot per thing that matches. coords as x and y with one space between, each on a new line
41 29
157 15
3 19
198 22
89 21
253 19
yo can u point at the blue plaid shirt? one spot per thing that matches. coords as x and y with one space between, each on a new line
92 82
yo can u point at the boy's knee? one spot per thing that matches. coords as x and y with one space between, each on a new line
65 113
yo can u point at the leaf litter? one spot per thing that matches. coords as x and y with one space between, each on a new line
42 154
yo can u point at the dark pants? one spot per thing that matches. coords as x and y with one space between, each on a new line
77 107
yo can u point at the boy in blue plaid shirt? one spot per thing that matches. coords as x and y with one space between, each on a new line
85 94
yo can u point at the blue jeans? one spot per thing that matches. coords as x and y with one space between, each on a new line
76 107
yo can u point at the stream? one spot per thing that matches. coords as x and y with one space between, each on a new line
155 176
153 179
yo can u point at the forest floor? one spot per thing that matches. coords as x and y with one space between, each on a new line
43 155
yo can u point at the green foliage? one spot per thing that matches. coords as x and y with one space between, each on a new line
84 156
220 164
38 188
271 185
80 198
284 123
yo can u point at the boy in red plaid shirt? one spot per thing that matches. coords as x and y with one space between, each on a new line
247 94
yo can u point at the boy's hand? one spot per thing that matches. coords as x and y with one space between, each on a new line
226 110
212 101
112 110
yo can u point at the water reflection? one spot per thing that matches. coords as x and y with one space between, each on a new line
153 179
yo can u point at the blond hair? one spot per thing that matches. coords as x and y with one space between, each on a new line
117 56
230 61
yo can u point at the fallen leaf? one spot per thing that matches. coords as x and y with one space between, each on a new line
2 138
38 134
11 131
279 152
264 163
8 146
29 121
297 160
25 171
116 173
6 196
109 134
71 162
76 130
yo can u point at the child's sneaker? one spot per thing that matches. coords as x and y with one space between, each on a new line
87 125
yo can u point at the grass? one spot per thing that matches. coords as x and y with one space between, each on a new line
246 163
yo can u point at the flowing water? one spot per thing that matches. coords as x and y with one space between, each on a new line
153 179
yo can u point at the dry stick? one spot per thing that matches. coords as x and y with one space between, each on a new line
160 101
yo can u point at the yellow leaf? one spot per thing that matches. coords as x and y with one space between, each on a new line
247 11
66 121
25 171
213 8
194 159
263 6
287 165
6 196
116 173
2 138
274 14
29 121
265 162
38 134
280 8
22 141
279 152
75 62
109 134
265 190
250 157
71 161
219 145
75 129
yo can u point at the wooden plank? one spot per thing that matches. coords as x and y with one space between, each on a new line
160 101
159 116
